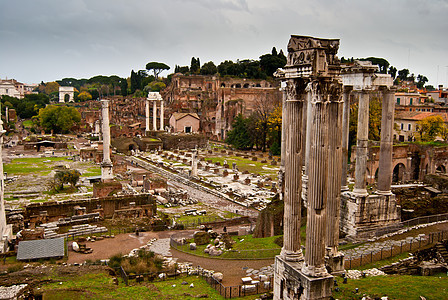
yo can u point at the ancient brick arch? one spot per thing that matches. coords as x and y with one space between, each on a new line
399 172
441 169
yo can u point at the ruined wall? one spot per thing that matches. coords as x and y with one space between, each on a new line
59 209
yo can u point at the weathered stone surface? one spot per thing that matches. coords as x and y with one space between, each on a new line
201 238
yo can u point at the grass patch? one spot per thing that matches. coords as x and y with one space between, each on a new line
245 247
27 124
396 287
93 171
100 286
34 165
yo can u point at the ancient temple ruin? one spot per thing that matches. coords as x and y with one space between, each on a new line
313 118
154 97
363 212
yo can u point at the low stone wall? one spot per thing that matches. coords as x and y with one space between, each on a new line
58 209
183 141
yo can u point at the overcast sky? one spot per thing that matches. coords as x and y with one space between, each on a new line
47 40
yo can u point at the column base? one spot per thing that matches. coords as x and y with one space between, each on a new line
360 192
292 256
385 193
290 283
313 271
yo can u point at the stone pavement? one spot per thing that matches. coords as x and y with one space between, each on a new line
376 247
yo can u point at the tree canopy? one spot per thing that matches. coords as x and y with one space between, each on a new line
239 136
429 128
60 119
156 67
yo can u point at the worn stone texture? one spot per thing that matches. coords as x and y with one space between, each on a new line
291 283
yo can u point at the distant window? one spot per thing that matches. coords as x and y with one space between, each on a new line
401 126
187 129
398 101
410 103
409 127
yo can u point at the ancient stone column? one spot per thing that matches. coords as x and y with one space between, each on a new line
334 175
306 127
386 145
161 114
194 164
362 144
314 264
154 115
291 250
147 115
281 171
345 131
106 165
2 186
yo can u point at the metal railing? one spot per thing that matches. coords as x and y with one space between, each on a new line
387 252
412 222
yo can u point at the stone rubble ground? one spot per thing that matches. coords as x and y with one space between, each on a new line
11 292
377 247
357 274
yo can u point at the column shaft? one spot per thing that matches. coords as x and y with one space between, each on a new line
386 145
147 115
362 144
334 174
161 115
106 165
281 172
345 131
154 115
293 181
317 187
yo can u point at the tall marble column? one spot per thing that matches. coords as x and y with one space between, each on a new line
281 171
314 264
362 144
291 250
147 116
161 115
154 115
194 164
306 124
345 131
106 165
386 145
334 173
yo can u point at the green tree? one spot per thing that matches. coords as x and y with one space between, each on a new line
60 119
124 87
84 96
429 128
195 65
51 87
381 62
269 63
275 130
209 68
66 176
403 74
156 67
239 136
421 80
393 72
155 86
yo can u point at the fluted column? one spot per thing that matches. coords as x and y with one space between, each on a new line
291 250
281 171
317 184
106 165
161 115
307 119
154 115
362 144
386 145
345 131
147 115
334 174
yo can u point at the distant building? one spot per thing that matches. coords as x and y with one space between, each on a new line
410 98
12 88
406 123
184 122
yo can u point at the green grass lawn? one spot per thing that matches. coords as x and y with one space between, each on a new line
93 171
245 247
34 165
100 286
398 287
27 123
